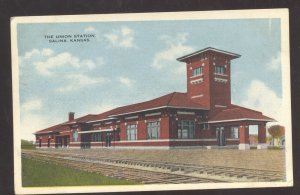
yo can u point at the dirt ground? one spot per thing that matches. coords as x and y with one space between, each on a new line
252 159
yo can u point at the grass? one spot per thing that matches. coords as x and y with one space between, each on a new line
41 174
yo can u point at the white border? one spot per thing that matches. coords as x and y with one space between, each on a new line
228 14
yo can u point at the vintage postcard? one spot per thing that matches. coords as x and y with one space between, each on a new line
156 101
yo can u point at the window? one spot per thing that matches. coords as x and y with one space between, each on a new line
219 128
186 129
131 132
96 137
205 126
219 70
153 130
197 71
75 136
234 132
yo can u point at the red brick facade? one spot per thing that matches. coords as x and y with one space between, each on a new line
204 116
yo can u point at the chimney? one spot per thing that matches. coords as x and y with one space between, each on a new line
71 116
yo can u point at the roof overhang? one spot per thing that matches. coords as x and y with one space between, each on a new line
96 131
232 55
241 119
70 123
37 133
156 108
105 119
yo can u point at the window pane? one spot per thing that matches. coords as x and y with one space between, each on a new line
219 70
153 130
197 71
186 129
234 132
131 132
184 133
179 133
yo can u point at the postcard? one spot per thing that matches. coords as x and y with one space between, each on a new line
151 101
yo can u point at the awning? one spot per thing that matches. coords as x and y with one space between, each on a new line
96 131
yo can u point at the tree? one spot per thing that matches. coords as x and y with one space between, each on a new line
276 131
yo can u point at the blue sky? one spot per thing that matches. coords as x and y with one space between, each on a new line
129 62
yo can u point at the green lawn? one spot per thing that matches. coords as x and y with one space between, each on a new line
37 174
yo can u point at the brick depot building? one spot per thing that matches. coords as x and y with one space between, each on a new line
203 116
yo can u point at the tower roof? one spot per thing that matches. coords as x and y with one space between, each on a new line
229 54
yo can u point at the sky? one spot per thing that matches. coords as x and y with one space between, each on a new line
133 61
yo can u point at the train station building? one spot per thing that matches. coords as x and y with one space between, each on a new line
202 117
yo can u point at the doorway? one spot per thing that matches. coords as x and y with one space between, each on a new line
108 139
220 135
85 140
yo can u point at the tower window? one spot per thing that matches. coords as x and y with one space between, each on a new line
219 70
197 71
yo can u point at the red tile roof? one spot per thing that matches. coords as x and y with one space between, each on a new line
55 128
175 99
234 113
62 126
229 54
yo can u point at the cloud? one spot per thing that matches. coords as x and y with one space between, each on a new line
90 29
65 71
33 104
175 47
99 61
126 81
36 52
31 123
78 81
48 66
275 63
47 52
122 38
260 97
30 120
29 54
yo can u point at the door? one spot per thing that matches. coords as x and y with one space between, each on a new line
56 141
108 139
49 142
65 141
85 140
40 142
220 135
59 141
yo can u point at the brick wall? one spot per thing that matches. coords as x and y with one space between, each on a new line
214 92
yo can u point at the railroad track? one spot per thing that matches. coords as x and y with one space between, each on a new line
132 174
149 172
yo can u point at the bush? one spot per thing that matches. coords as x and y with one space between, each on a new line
27 144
